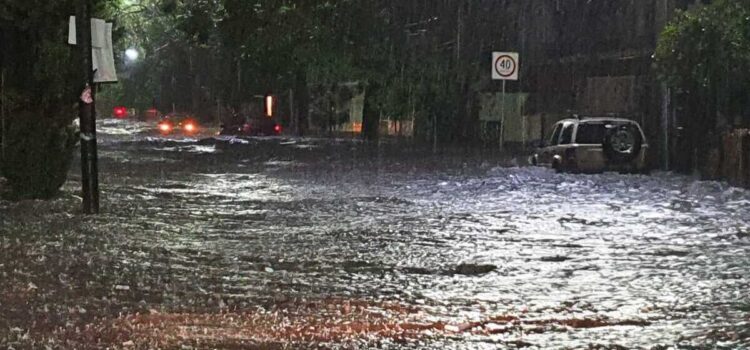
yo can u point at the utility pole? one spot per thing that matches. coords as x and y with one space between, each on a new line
87 111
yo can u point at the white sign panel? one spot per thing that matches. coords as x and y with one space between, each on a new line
102 51
98 32
72 30
505 65
103 58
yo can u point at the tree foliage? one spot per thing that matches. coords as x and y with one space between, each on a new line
41 84
40 67
233 50
705 52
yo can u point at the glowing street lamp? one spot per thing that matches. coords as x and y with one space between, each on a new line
132 54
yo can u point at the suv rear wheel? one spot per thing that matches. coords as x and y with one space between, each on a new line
622 144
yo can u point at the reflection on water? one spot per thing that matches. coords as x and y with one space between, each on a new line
517 254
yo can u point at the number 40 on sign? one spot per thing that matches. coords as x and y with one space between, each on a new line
505 66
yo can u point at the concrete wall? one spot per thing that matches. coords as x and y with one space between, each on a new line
491 110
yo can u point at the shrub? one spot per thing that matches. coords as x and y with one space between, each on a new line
38 155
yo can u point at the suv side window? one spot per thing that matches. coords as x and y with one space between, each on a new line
555 135
567 134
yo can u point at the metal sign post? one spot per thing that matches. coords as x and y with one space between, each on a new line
87 113
502 120
504 67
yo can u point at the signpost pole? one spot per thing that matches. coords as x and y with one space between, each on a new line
502 120
87 112
504 67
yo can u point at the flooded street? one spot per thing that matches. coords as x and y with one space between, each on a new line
334 244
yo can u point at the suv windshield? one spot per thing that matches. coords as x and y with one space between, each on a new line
591 133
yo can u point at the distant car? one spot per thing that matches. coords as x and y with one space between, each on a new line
591 145
150 114
253 126
178 124
120 112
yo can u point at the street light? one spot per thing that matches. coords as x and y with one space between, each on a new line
131 54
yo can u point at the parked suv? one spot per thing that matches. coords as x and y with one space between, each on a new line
592 145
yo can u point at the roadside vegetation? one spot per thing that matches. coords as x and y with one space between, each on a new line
39 93
704 56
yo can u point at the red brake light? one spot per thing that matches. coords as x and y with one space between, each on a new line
120 112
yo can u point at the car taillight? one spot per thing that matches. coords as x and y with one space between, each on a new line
120 112
190 127
277 128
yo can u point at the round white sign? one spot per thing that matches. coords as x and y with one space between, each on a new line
506 66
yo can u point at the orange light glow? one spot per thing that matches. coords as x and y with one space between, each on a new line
357 127
269 106
190 127
165 128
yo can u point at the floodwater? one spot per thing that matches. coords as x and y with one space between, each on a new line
451 251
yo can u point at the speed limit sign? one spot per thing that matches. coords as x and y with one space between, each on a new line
505 66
